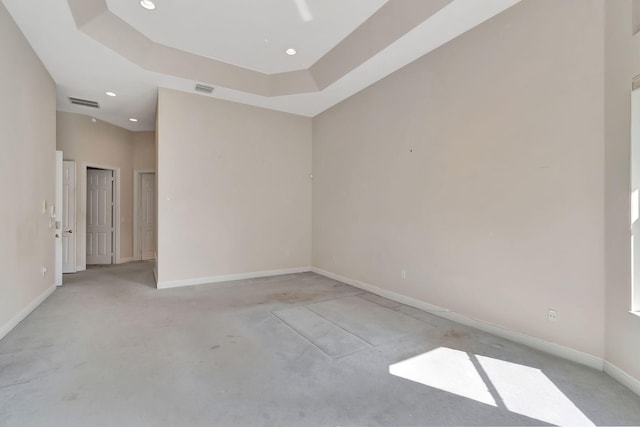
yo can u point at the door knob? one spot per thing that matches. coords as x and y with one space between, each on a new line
70 231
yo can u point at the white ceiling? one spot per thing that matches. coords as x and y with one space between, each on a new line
231 31
252 34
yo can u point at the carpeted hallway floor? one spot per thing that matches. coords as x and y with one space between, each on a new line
108 349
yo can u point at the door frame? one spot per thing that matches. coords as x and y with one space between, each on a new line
81 217
110 212
74 206
137 251
58 219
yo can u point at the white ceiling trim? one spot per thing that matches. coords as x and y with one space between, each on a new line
84 68
247 33
458 17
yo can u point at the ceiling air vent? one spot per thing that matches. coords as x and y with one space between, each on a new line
84 102
203 88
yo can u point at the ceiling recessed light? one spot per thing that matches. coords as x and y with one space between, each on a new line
291 51
111 93
133 120
147 4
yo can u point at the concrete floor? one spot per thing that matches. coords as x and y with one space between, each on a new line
107 349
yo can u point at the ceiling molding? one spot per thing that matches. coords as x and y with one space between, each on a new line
391 22
89 50
94 18
385 26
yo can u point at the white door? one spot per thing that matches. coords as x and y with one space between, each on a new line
57 217
635 248
68 217
147 219
99 216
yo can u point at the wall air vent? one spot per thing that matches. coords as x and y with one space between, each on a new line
203 88
636 83
84 102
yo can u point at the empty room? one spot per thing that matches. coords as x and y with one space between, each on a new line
320 212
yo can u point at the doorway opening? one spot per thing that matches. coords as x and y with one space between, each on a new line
144 215
100 216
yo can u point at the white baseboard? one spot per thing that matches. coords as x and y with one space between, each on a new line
229 277
80 268
622 377
13 322
528 340
124 260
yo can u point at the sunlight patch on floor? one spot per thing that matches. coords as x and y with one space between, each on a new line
517 388
528 391
448 370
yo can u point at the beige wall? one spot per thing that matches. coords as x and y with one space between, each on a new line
234 192
27 165
144 151
622 63
101 144
479 170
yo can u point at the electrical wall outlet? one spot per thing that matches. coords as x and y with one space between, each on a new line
552 315
403 274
